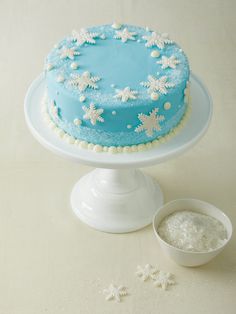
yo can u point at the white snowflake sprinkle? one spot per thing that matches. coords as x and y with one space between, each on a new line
84 36
126 94
150 122
156 39
93 114
163 279
125 35
69 53
84 81
170 62
146 272
115 293
157 84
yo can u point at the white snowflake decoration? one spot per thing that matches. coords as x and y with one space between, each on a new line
69 53
170 62
157 84
146 272
93 114
126 94
84 81
83 36
150 122
156 39
115 293
125 35
163 280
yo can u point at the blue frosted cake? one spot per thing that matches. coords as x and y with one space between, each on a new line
116 87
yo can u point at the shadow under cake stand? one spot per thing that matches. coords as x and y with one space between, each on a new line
116 196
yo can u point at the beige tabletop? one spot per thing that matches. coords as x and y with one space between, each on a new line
52 263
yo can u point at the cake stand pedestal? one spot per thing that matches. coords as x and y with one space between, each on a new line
117 197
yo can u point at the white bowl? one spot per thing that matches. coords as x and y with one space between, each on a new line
187 258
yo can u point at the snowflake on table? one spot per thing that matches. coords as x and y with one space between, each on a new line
156 39
84 81
150 122
125 35
93 114
146 272
126 94
157 84
115 293
163 280
69 53
170 62
84 36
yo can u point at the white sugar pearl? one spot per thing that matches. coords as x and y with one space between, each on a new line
103 36
60 79
113 112
154 96
77 122
129 126
98 148
116 25
155 54
74 65
82 98
167 105
49 66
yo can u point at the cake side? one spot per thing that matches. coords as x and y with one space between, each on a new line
115 93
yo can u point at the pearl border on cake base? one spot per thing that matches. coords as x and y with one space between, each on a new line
116 197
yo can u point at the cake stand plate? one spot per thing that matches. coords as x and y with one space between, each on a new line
117 197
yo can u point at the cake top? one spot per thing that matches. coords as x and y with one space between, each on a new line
118 64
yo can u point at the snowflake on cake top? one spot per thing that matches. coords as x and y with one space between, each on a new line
157 84
163 279
150 122
126 94
84 36
170 62
156 39
93 114
125 35
115 293
146 272
69 53
84 80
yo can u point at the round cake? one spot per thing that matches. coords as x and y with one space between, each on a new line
116 86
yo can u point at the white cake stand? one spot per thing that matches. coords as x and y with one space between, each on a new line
117 197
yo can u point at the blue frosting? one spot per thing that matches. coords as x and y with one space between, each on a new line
119 65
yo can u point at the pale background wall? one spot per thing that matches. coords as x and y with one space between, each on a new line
49 261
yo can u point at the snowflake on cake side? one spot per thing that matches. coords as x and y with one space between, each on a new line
84 80
84 36
170 62
93 114
115 293
163 279
125 35
156 39
146 272
69 53
126 94
150 123
157 84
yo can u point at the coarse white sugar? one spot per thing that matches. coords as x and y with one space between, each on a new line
192 231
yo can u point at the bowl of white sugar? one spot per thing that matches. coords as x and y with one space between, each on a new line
191 232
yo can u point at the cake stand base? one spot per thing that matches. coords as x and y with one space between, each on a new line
116 197
116 200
